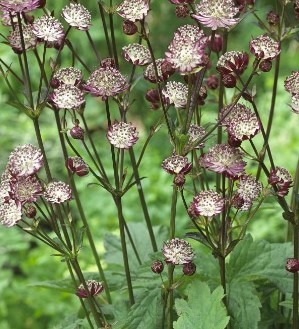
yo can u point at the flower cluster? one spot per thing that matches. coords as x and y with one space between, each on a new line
49 29
57 192
206 203
122 135
216 13
282 179
291 85
136 54
15 41
67 96
177 252
77 16
265 48
133 10
94 288
21 6
176 93
224 159
68 76
186 52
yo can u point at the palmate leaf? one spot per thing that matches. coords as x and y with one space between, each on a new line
145 313
255 260
202 310
244 305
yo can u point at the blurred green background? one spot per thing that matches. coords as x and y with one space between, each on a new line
23 261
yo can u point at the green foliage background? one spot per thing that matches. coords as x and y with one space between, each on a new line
23 261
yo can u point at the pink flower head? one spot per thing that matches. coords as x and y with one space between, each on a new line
67 97
67 76
77 166
105 82
25 189
30 40
224 159
21 6
10 213
216 13
133 10
248 188
233 62
195 133
94 289
176 93
206 203
122 135
186 52
177 252
176 164
240 121
136 54
48 28
25 160
263 47
282 179
77 16
57 192
291 83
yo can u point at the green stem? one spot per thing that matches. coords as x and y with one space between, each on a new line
113 37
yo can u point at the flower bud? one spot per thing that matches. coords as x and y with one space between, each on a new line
129 28
265 66
217 43
157 267
229 81
189 269
179 180
292 265
212 82
182 11
272 18
30 211
77 132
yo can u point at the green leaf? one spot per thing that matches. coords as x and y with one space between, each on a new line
146 313
65 285
72 322
252 260
202 310
244 305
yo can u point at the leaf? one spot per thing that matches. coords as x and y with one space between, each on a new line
65 285
244 305
202 310
197 236
252 260
72 322
146 312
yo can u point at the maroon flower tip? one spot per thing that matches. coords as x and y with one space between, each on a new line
129 28
77 166
292 265
94 288
189 269
157 267
77 132
282 179
30 211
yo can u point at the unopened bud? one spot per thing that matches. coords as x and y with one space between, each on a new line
157 267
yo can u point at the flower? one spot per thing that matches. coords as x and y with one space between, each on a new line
176 164
233 62
216 13
186 52
181 2
10 213
48 28
195 133
176 93
133 10
67 97
29 37
68 76
177 252
206 203
264 47
57 192
136 54
224 159
241 123
157 267
94 289
25 160
212 82
282 179
122 135
21 6
77 16
105 82
295 103
77 166
248 188
25 189
291 83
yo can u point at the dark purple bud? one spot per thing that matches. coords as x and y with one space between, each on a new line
212 81
292 265
229 81
217 43
272 18
77 132
167 69
152 95
157 267
265 66
54 83
189 269
77 166
179 180
129 28
30 211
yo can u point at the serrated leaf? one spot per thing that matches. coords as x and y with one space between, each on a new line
72 322
146 312
202 310
244 305
65 285
253 260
